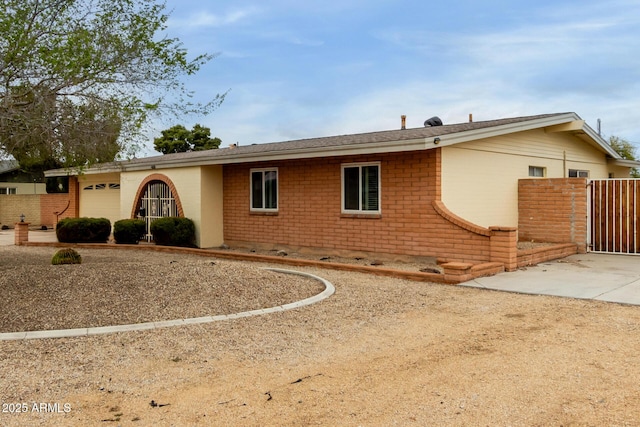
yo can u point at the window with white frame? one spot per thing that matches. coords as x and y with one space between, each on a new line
575 173
361 188
264 190
537 171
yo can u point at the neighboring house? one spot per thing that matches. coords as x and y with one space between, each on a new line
15 181
446 191
25 193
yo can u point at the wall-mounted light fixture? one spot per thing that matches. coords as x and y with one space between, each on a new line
436 140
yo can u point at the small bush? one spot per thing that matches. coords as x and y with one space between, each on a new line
66 256
83 230
129 231
174 231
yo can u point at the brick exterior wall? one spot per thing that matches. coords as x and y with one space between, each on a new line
553 210
310 210
54 207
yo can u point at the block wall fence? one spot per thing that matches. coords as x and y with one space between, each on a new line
40 209
553 210
413 220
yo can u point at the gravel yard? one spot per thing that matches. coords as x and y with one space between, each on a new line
381 351
115 288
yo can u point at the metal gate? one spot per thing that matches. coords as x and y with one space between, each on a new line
156 202
614 207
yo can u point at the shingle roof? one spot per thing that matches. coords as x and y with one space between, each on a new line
230 154
342 140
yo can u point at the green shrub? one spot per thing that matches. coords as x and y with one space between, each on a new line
173 231
83 230
66 256
129 231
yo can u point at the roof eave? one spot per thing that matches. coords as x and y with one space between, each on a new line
301 153
625 163
490 132
88 171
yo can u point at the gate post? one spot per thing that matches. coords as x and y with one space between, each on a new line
21 233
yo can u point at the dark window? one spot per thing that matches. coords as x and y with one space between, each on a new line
264 189
361 188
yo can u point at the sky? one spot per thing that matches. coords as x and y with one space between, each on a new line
301 69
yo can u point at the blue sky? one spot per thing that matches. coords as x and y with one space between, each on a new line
300 69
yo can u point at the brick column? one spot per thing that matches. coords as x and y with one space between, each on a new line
21 233
504 246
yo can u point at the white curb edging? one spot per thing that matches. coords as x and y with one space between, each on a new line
329 290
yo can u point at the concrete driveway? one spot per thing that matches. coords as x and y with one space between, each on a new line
7 236
602 277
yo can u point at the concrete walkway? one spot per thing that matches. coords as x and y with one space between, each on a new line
602 277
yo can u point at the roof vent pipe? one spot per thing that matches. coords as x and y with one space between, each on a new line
403 122
470 118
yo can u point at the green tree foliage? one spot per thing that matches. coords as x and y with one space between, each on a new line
626 150
178 139
79 78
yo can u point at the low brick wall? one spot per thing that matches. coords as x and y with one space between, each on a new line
535 256
553 210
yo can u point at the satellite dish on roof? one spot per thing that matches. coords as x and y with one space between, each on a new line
433 121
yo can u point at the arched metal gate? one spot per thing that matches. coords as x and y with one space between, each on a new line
157 202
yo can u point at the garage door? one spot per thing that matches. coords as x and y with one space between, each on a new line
100 200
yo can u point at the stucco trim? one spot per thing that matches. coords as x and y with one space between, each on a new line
157 177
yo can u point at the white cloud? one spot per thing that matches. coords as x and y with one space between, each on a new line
207 19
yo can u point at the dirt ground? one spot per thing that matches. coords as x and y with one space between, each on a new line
381 351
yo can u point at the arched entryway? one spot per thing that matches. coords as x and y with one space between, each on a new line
156 198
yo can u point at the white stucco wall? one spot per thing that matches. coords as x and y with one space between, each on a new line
26 187
480 178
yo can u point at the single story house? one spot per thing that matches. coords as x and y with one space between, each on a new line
15 181
449 191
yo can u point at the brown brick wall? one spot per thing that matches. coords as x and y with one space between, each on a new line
55 207
310 210
553 210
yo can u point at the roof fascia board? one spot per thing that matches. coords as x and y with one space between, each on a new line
78 172
581 126
601 142
625 163
302 153
490 132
